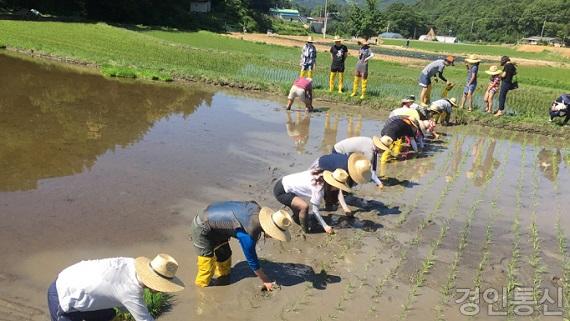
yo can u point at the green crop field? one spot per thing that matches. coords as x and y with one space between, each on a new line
203 56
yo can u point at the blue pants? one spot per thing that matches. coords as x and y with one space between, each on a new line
505 87
58 315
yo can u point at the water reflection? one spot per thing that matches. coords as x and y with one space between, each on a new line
330 133
353 129
549 163
298 129
56 123
484 165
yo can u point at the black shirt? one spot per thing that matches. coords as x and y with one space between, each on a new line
510 70
338 55
397 127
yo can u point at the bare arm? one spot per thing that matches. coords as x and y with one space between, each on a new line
342 202
315 211
266 281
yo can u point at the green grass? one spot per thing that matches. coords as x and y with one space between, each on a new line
490 50
162 54
157 303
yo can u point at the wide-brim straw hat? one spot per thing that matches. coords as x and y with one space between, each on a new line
338 179
493 71
359 168
275 223
159 274
407 100
337 39
453 101
383 142
310 39
472 59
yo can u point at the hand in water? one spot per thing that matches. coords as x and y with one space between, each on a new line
380 187
329 230
268 286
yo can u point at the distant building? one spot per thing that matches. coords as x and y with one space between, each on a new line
285 14
537 40
391 35
446 39
431 36
202 6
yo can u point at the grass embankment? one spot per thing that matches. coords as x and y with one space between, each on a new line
211 58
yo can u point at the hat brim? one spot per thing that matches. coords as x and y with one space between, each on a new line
453 103
269 226
358 176
329 178
493 73
378 143
154 281
472 61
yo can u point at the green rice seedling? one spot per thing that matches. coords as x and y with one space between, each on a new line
157 304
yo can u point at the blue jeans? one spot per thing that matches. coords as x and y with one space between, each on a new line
505 87
58 315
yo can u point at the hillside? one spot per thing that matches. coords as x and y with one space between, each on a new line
314 3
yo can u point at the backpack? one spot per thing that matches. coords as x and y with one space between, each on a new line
515 81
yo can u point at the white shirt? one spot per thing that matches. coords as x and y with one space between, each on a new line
301 184
102 284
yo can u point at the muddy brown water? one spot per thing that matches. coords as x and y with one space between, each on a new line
94 167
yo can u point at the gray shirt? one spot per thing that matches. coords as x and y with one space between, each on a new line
441 105
434 68
363 145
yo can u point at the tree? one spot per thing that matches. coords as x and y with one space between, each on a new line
364 23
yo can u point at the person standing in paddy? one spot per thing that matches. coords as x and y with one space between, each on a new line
212 229
338 54
308 59
91 290
509 72
361 72
314 183
430 71
472 72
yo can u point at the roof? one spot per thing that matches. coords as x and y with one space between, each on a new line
538 38
390 35
284 11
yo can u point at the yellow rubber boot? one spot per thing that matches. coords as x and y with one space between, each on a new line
309 74
397 147
205 271
364 85
223 268
355 86
385 157
340 82
331 81
303 73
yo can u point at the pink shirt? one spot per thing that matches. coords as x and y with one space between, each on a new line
303 83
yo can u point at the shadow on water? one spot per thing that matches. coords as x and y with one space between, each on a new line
285 274
62 125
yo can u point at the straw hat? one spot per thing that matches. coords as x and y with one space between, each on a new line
407 100
310 39
472 59
337 39
382 143
453 101
338 179
359 168
275 224
159 273
493 70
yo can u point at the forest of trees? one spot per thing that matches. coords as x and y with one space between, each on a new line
473 20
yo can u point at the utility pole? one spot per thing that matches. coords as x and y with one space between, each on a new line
326 20
543 24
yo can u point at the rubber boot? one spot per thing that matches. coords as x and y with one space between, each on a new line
385 157
355 86
205 271
364 85
223 268
331 81
302 74
309 74
397 147
340 82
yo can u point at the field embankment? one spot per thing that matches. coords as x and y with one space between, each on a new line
156 53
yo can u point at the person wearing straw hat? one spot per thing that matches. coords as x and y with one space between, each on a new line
430 71
361 145
91 290
492 87
303 89
406 109
361 72
312 184
396 128
308 59
212 229
441 110
472 65
338 54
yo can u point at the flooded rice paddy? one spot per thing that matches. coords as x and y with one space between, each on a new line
92 167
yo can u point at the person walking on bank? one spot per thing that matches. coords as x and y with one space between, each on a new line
338 52
492 87
91 290
308 59
472 64
430 71
509 71
212 229
361 72
315 184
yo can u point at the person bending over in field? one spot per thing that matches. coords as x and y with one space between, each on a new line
361 72
362 145
560 108
472 65
441 110
492 87
314 184
430 71
303 89
212 229
308 59
395 131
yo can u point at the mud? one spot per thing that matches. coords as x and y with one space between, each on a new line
93 167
